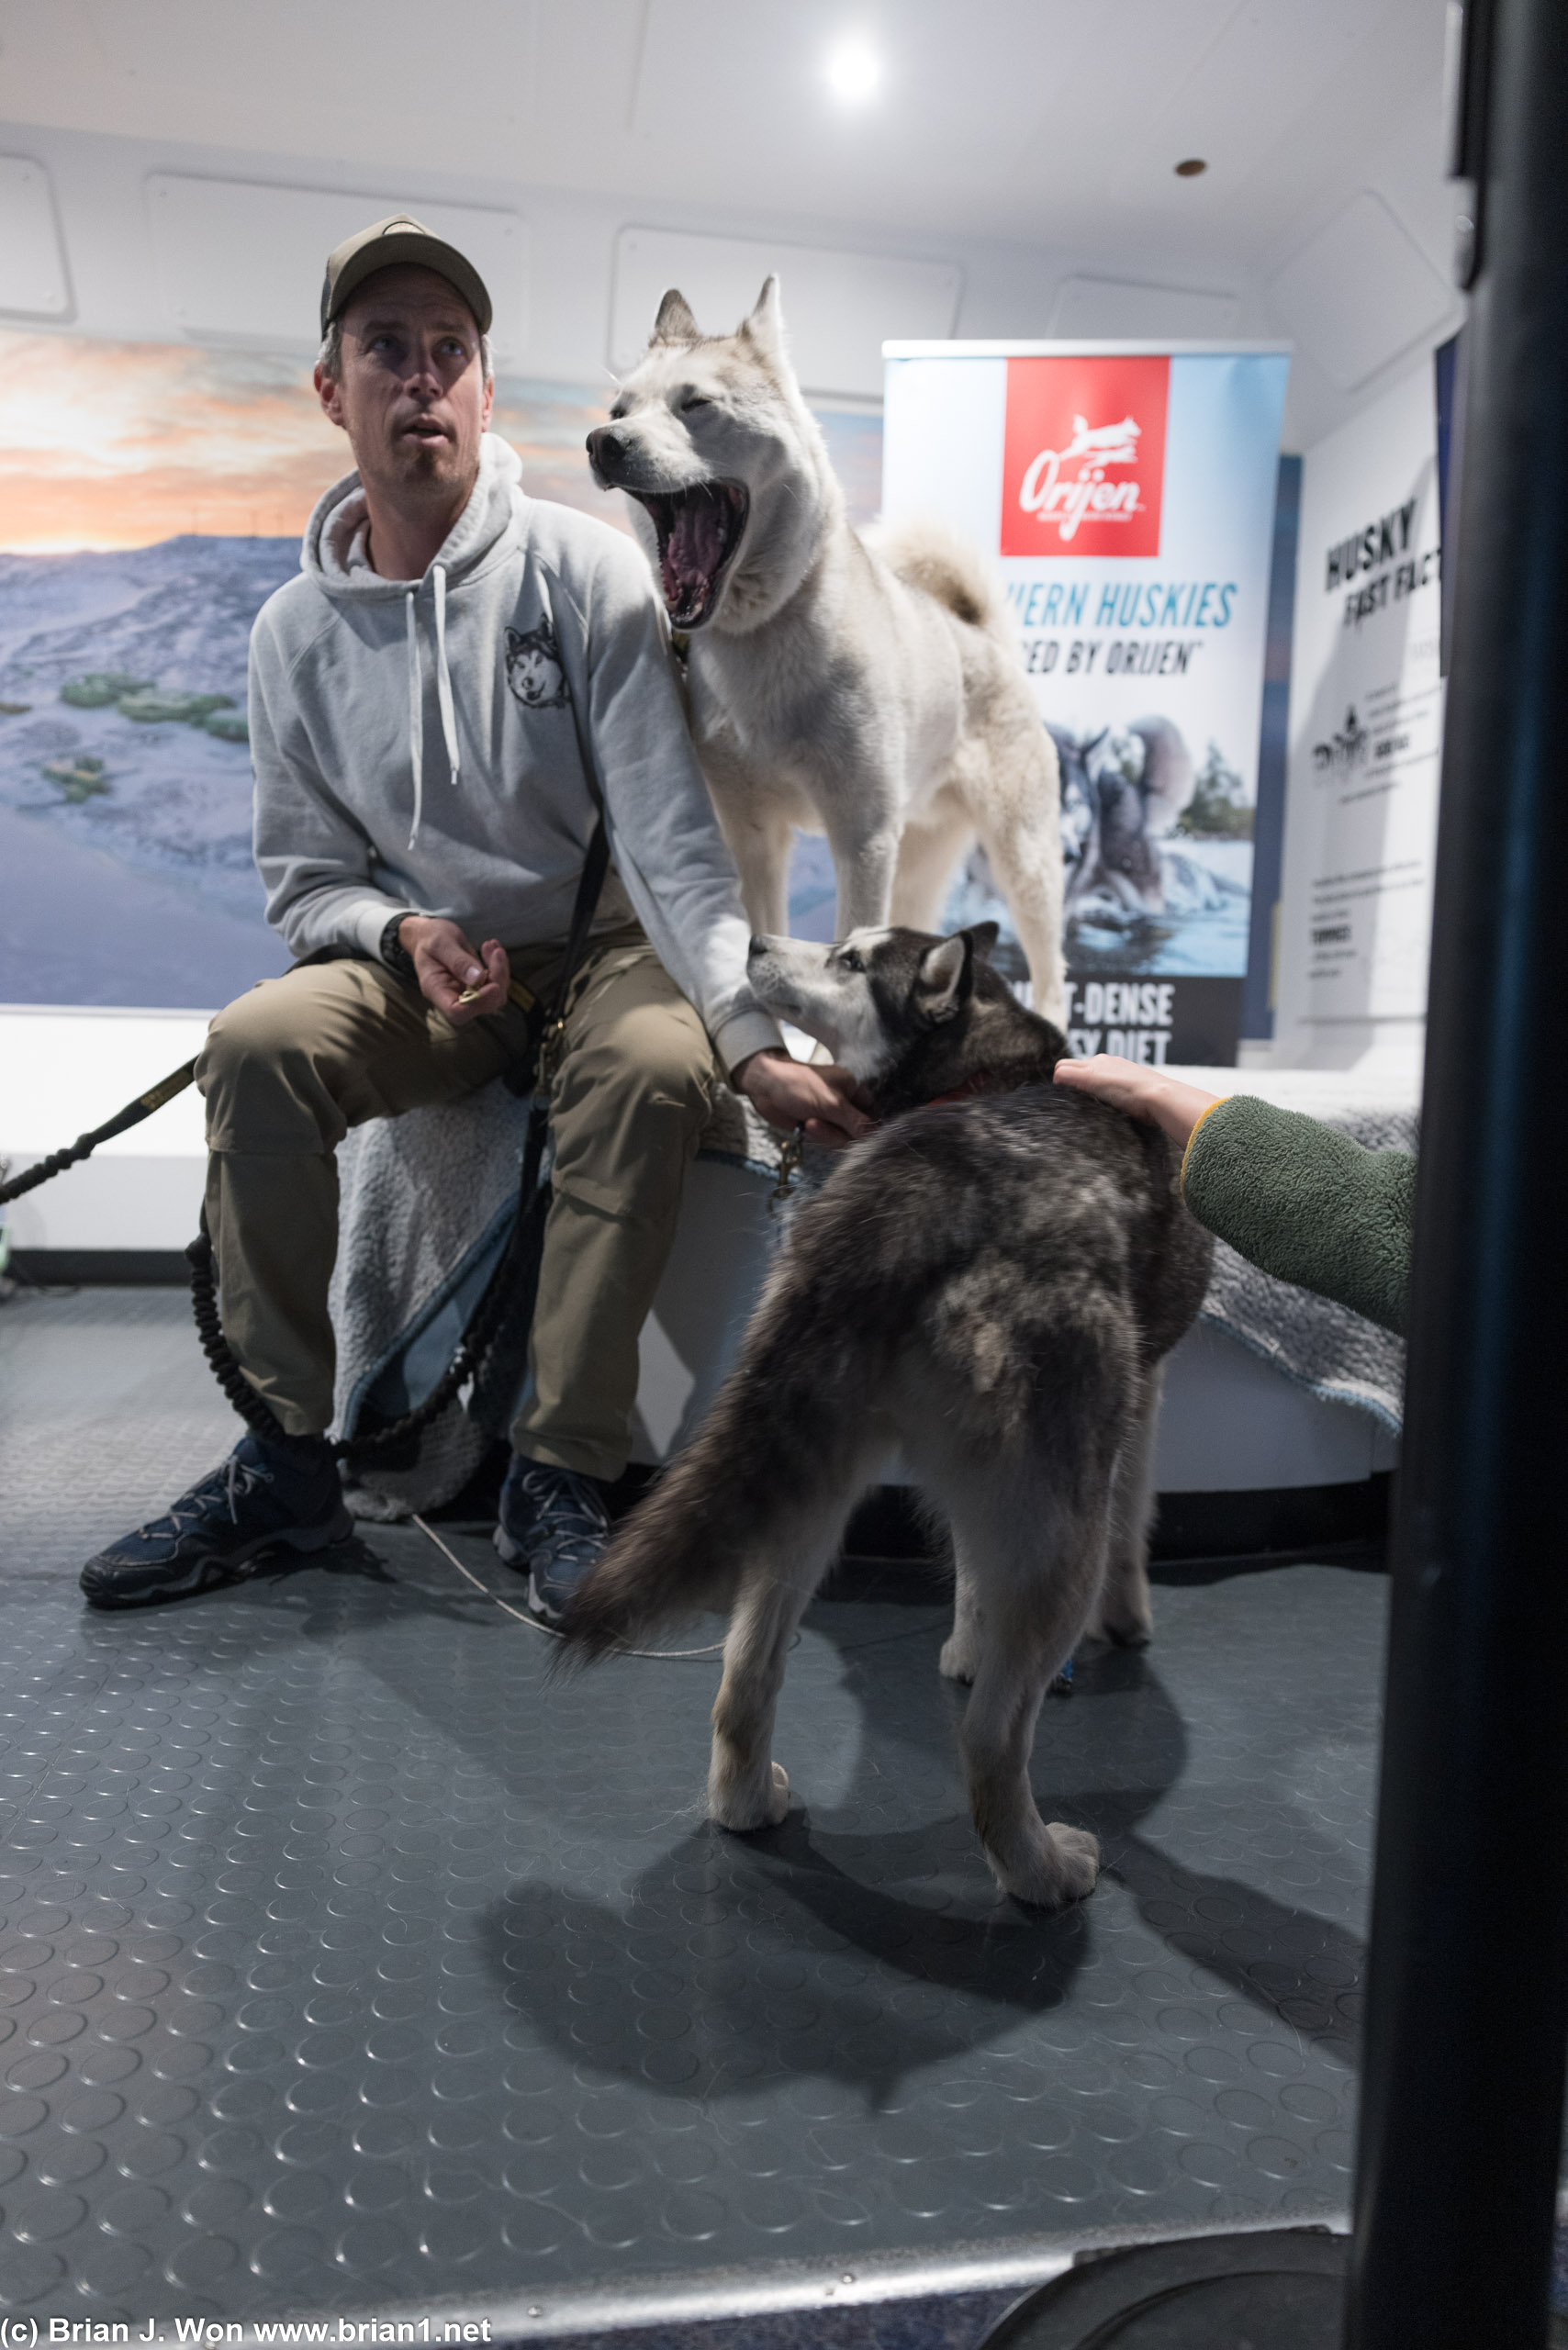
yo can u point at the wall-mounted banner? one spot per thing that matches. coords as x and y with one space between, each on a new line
1366 731
1126 491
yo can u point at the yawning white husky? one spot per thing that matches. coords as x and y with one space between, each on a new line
869 689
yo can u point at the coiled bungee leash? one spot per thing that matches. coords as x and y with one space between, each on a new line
515 1272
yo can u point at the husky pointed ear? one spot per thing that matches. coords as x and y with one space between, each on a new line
984 935
765 327
675 322
947 978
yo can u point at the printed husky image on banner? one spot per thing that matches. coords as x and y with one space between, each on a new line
151 497
1128 497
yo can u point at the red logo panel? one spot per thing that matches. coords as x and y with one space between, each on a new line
1084 462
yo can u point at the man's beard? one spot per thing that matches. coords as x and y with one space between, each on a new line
410 466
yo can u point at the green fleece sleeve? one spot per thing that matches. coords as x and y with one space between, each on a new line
1305 1203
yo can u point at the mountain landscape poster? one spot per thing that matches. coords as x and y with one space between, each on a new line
151 497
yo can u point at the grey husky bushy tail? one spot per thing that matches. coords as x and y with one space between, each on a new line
989 1283
777 1464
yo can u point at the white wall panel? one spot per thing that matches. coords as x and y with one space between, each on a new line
66 1071
32 264
240 259
1106 306
839 306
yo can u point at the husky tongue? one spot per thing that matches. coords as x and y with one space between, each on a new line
694 549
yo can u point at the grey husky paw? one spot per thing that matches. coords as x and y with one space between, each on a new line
1123 1631
956 1662
1124 1613
745 1811
1065 1873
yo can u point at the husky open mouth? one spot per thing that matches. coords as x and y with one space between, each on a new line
698 530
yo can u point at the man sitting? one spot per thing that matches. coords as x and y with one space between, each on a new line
441 705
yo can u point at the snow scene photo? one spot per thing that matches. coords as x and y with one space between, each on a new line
125 774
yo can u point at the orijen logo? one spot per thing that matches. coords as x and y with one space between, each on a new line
1053 493
1083 455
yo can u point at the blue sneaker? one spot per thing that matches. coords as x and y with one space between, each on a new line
554 1523
266 1497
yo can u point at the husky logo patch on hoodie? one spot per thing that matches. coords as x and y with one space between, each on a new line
534 672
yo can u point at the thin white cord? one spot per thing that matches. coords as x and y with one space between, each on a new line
656 1655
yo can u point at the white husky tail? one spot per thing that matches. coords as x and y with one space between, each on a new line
924 553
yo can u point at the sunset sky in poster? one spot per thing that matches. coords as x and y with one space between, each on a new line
122 444
106 444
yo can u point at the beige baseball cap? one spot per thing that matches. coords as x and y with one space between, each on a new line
401 239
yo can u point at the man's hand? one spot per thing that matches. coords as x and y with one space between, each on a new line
446 965
1142 1092
791 1093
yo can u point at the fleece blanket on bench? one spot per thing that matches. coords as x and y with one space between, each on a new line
427 1204
428 1199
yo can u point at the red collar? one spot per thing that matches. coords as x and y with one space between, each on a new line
981 1082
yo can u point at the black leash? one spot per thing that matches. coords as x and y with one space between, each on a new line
518 1263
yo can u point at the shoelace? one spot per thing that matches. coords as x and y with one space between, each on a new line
572 1519
244 1476
234 1480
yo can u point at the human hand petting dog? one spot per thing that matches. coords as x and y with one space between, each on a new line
789 1093
1149 1093
447 966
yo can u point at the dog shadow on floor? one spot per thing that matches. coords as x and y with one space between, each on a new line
836 1946
849 1942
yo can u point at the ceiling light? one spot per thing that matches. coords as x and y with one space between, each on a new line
853 72
1190 169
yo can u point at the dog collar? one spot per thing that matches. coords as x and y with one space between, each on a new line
981 1082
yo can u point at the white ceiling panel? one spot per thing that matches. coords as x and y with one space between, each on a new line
1264 69
32 266
838 308
382 82
1377 124
743 92
1099 106
238 259
1359 293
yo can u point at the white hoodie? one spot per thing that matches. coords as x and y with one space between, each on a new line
416 745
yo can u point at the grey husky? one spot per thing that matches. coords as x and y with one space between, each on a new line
867 686
990 1282
1112 823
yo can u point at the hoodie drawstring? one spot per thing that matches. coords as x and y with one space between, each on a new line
416 696
416 716
442 676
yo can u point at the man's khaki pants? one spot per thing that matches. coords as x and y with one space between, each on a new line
290 1067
